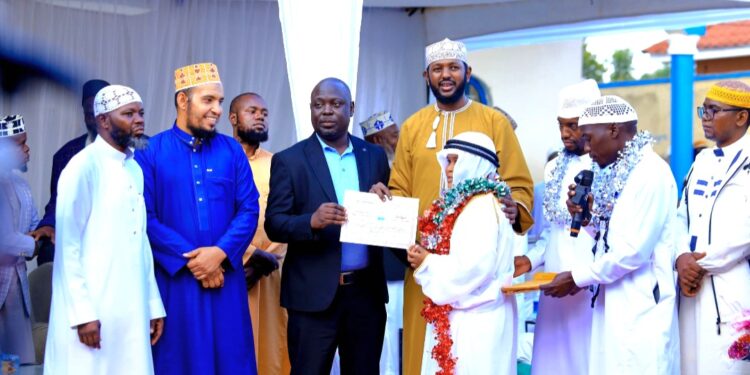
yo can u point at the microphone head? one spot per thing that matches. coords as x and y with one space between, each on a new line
585 178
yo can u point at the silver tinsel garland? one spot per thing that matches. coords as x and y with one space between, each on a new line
609 181
554 212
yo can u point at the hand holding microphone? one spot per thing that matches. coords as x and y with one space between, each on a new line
580 201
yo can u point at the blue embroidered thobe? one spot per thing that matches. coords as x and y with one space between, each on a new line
200 194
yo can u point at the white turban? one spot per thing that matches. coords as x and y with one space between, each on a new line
112 97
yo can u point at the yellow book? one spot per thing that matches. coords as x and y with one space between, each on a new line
539 279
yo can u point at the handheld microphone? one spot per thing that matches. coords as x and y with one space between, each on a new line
583 187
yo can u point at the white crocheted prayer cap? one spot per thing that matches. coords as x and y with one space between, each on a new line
112 97
575 98
607 110
444 50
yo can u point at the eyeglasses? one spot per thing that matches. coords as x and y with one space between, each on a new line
709 112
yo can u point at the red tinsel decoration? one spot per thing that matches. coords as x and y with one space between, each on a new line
434 314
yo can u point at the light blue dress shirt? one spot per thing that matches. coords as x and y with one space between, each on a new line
345 176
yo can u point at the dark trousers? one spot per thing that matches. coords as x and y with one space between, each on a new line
354 323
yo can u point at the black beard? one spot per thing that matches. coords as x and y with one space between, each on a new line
252 137
453 98
200 133
121 138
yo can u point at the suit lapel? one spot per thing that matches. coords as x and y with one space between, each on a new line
317 162
363 163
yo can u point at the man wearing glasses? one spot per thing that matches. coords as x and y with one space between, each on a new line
713 236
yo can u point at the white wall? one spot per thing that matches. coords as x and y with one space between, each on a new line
524 81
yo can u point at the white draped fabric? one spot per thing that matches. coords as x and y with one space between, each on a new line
321 39
139 43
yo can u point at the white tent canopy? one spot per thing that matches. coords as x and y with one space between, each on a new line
141 42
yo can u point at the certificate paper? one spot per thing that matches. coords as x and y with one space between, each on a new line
392 223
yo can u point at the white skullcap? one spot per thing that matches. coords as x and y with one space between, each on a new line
607 110
12 125
376 123
112 97
477 156
575 98
445 49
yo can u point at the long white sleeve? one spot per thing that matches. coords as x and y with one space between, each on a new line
640 216
72 213
155 305
473 258
724 253
536 252
681 234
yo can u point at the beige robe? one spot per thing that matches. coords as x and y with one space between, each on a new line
268 317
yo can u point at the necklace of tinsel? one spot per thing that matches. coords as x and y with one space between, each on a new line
609 181
554 212
436 229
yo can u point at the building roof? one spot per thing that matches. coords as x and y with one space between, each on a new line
723 35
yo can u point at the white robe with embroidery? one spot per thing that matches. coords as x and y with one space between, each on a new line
563 325
634 328
483 320
103 268
718 196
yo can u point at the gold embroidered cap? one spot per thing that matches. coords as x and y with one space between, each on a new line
730 95
195 75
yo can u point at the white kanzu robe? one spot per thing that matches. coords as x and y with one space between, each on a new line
563 325
103 268
718 207
483 320
634 323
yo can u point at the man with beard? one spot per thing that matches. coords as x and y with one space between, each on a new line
380 129
106 308
18 217
248 114
415 173
202 212
46 228
632 205
334 292
713 234
563 326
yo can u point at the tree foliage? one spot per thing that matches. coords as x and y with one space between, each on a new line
663 72
592 68
622 62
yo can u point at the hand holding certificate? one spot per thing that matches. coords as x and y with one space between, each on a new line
370 221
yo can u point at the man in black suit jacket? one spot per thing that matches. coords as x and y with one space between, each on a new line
334 293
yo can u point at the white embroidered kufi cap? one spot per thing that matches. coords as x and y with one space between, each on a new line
575 98
376 123
12 125
444 50
112 97
607 110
